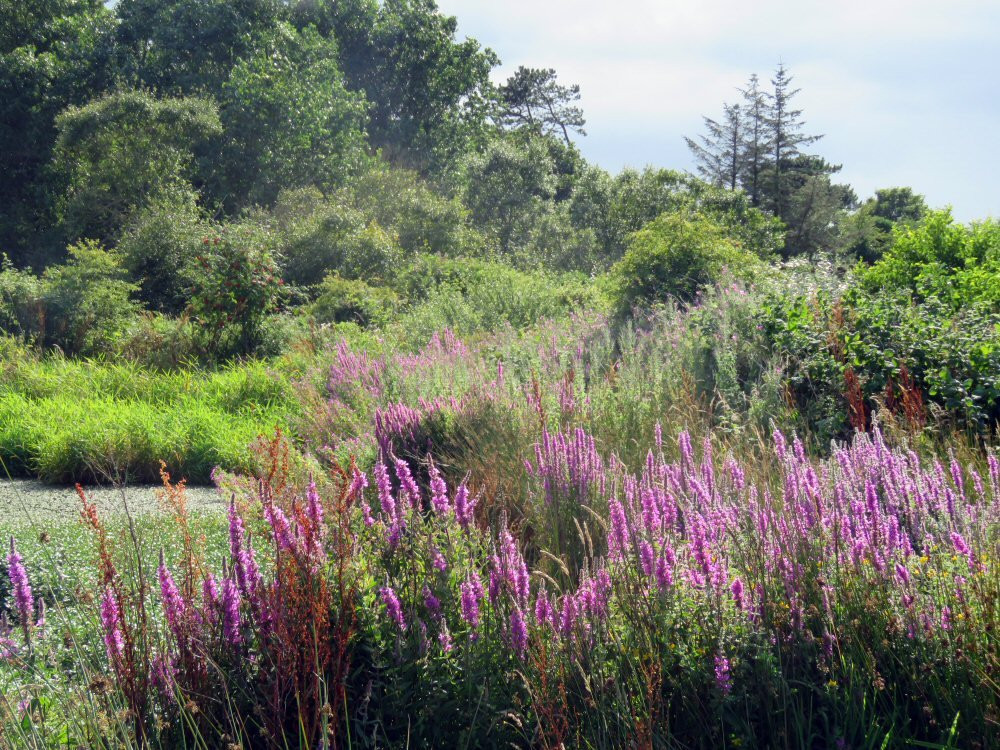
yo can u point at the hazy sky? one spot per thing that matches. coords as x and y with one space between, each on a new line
906 91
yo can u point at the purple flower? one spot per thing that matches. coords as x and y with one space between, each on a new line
244 563
544 613
393 606
174 607
471 590
444 638
439 491
210 596
21 587
464 506
407 483
432 603
438 561
567 616
737 589
384 484
111 624
902 573
518 632
231 612
723 679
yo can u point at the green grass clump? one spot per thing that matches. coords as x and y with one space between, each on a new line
71 421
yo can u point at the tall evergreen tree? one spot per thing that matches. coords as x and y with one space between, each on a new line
533 98
756 140
784 126
720 153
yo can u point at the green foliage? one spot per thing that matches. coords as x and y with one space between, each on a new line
67 421
868 233
188 46
53 54
341 300
123 151
428 92
87 301
957 264
423 220
320 236
674 257
470 296
507 187
163 239
233 284
265 149
20 301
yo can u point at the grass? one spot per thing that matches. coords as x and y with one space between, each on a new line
69 421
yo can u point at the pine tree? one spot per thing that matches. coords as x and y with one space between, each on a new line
720 153
756 142
784 126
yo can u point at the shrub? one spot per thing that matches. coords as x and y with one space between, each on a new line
423 220
321 236
162 240
674 257
353 301
87 301
233 285
21 311
958 264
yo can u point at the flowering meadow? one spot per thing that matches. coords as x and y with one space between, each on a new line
537 539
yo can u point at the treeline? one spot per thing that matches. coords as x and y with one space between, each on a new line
180 173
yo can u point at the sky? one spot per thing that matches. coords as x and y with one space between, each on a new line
906 92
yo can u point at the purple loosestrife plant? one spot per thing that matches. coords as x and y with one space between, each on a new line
24 602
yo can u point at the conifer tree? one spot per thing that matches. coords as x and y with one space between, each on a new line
720 153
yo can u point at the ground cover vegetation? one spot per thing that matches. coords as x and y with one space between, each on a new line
510 451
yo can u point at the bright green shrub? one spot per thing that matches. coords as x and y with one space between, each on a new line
323 236
421 219
674 257
87 301
955 263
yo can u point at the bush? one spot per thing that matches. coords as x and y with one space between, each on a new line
322 236
21 312
353 301
469 295
233 285
421 219
87 301
958 264
164 239
674 257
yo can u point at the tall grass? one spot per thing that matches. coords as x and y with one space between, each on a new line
67 421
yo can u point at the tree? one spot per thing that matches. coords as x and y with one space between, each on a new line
869 231
813 215
53 54
428 92
786 139
720 153
190 46
532 98
508 186
756 142
120 152
675 256
265 148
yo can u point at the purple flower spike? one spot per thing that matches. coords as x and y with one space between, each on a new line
393 607
21 587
